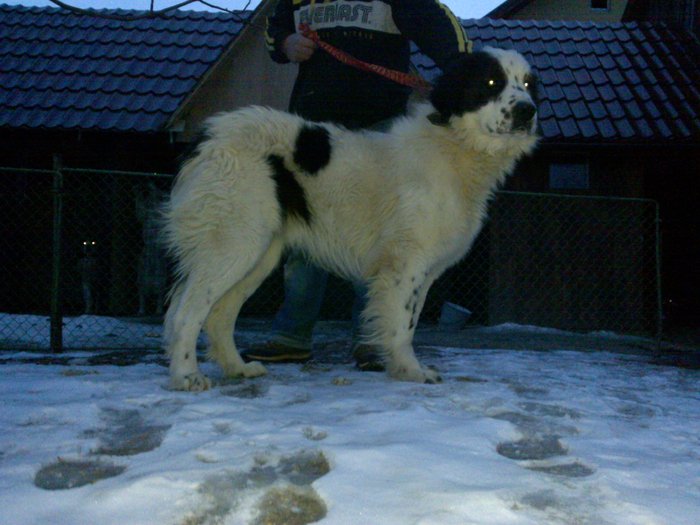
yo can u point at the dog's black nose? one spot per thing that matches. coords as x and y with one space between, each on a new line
523 113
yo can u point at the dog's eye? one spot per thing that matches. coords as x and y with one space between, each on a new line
492 83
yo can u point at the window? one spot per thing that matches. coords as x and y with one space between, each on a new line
600 5
568 176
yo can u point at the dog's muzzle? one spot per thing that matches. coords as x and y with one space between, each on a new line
523 113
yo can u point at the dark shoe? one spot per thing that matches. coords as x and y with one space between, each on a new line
367 358
272 352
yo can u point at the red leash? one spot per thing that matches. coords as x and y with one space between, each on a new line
399 77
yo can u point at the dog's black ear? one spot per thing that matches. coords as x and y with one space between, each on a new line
466 84
446 96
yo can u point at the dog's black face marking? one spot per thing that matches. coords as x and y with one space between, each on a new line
290 194
469 83
312 150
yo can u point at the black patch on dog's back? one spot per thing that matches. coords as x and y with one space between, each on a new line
467 84
312 149
290 194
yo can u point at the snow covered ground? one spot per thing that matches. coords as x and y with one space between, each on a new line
510 437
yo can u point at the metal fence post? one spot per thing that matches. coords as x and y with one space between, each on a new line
56 310
659 284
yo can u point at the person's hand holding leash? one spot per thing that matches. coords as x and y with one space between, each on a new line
298 48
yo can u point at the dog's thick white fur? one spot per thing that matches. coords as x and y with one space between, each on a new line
393 209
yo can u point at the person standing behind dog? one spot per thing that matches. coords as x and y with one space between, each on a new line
375 31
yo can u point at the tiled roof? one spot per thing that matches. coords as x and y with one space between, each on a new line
631 82
63 70
618 82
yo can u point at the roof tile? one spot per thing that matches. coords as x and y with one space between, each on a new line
597 109
599 77
624 128
548 76
644 129
540 61
63 70
599 82
606 128
607 93
590 93
615 110
616 77
562 110
554 92
572 93
550 128
575 61
663 128
582 77
623 93
580 110
634 110
544 110
587 127
568 127
590 60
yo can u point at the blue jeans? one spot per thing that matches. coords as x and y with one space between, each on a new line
304 288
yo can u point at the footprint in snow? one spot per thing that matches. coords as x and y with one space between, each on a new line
532 448
69 474
568 470
287 495
125 432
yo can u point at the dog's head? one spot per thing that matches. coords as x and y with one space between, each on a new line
489 98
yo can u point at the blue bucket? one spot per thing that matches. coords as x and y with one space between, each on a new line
453 316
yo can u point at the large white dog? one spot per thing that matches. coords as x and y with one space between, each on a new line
394 209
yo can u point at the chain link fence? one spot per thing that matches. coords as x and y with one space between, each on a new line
82 266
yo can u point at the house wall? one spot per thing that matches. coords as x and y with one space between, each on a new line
570 10
247 75
671 180
677 13
614 172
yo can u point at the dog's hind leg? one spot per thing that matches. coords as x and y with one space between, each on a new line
395 303
203 287
184 319
222 318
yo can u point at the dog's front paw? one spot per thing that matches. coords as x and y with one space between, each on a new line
432 376
418 374
254 369
196 382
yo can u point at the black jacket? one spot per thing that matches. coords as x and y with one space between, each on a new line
376 31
